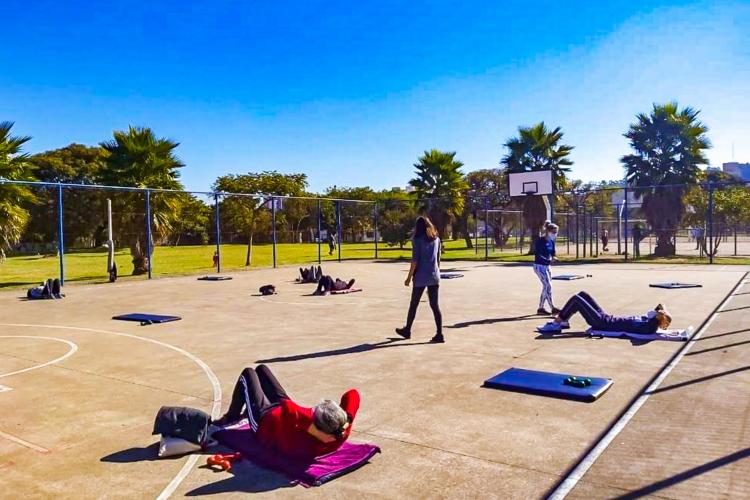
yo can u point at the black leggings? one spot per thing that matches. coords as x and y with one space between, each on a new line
584 304
432 295
256 392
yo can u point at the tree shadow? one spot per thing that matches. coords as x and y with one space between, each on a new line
688 474
492 321
245 478
391 342
719 348
699 380
706 337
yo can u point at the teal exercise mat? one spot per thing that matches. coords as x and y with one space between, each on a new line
146 319
549 384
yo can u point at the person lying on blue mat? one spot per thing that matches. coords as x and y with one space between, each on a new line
283 425
326 285
595 316
311 275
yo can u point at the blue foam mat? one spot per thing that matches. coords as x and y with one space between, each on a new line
548 384
672 285
146 319
450 276
568 277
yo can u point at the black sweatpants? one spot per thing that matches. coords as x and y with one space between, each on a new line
432 295
584 304
257 391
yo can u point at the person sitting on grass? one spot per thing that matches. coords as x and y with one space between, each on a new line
311 275
597 319
281 424
326 285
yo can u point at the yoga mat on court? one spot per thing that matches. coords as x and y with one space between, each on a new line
345 291
673 335
214 278
348 457
146 319
548 384
673 285
450 276
568 277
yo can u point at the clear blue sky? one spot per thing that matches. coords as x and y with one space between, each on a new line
352 92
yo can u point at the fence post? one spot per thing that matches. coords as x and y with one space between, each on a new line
596 233
578 236
319 236
148 231
476 229
273 229
567 229
339 232
585 230
486 228
218 231
592 235
710 223
376 229
60 234
626 223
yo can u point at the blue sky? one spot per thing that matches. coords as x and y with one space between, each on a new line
352 92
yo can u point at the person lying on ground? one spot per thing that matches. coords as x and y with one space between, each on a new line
597 319
326 285
283 425
311 275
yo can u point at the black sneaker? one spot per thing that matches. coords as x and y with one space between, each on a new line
438 339
542 312
555 311
404 332
350 284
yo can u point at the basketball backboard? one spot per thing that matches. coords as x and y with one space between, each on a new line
530 183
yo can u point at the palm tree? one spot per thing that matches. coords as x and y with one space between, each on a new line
537 148
13 166
668 146
439 186
137 158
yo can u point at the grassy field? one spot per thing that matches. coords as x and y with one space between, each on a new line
90 266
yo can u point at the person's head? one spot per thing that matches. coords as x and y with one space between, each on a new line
329 418
550 230
663 318
424 229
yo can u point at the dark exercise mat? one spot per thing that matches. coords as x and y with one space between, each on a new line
568 277
450 276
548 384
214 278
672 285
146 319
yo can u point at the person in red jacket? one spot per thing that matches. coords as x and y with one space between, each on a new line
280 423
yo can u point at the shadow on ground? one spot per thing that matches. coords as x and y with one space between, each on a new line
391 342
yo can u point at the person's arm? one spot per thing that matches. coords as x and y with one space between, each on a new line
415 251
412 270
350 403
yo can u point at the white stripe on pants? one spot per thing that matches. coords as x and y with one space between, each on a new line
545 277
250 417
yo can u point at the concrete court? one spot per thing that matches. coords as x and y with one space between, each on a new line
81 427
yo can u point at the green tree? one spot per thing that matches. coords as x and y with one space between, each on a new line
492 185
250 214
84 210
356 218
13 198
537 148
439 186
396 215
669 147
137 158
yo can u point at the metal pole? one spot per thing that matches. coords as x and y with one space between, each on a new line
592 234
567 229
476 231
626 223
377 236
218 232
486 229
585 230
735 239
710 223
148 230
319 237
60 234
273 228
596 234
578 213
339 232
619 229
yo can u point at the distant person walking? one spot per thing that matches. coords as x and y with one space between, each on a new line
216 259
605 239
425 273
637 237
331 242
544 255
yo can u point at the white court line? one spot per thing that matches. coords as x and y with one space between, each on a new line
23 442
71 351
216 386
585 464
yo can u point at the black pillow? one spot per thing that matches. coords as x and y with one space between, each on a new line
186 423
267 290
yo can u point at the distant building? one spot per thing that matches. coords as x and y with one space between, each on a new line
736 169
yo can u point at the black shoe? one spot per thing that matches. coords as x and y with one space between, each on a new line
404 332
438 339
223 421
350 284
542 312
555 311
